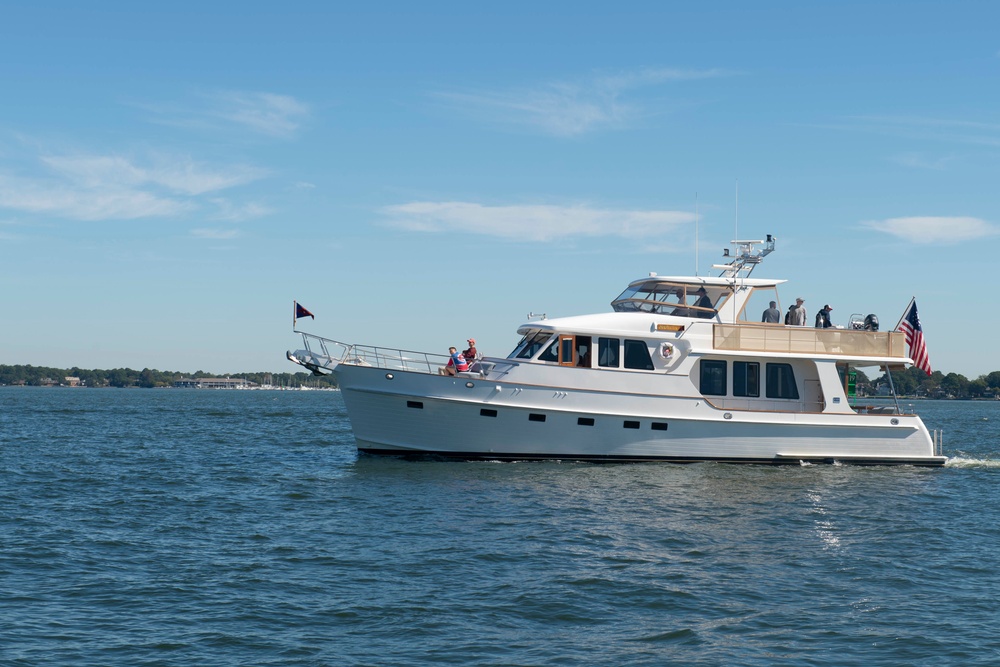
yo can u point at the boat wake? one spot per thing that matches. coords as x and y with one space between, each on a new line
967 462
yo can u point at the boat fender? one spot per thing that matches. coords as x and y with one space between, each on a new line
666 351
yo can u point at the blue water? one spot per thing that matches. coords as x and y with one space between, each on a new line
186 527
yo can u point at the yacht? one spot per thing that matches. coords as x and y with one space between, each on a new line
680 370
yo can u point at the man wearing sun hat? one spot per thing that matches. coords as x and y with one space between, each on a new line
471 354
799 313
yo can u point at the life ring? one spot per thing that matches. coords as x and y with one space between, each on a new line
666 351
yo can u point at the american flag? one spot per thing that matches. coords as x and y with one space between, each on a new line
910 326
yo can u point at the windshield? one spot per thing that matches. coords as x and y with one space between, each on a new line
530 345
666 298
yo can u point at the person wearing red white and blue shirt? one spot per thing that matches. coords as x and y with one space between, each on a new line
456 363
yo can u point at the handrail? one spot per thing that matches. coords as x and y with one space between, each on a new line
370 355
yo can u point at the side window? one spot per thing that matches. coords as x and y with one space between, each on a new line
713 377
637 355
566 350
746 378
781 381
583 351
551 353
607 352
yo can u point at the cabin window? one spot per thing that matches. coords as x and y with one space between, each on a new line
583 344
713 377
551 353
746 378
607 352
530 345
781 382
637 355
566 350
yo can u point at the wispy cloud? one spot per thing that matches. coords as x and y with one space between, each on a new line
97 187
85 203
177 174
947 130
570 108
233 212
533 222
935 229
270 114
215 234
922 161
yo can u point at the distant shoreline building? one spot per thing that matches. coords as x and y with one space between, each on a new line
214 383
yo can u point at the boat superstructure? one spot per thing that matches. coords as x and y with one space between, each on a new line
680 370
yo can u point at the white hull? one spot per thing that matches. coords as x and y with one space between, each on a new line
419 414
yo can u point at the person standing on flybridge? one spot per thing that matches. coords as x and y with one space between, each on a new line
798 313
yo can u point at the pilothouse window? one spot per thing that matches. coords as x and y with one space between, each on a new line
608 352
551 353
531 344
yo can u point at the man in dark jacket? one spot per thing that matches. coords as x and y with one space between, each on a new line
823 318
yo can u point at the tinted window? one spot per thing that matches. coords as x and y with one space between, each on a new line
583 351
781 381
607 352
551 353
746 378
637 355
713 377
567 350
533 345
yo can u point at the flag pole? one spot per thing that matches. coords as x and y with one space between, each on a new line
905 311
294 312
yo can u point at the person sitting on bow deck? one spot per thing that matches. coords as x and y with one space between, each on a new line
472 353
457 363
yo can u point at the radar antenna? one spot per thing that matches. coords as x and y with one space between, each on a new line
744 257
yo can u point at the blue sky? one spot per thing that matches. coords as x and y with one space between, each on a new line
172 178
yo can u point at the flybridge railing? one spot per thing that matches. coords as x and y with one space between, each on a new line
369 355
787 339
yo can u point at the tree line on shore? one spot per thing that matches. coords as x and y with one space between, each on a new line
914 382
42 376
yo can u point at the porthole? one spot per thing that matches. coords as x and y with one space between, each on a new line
388 376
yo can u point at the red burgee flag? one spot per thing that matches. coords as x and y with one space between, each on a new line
301 312
910 326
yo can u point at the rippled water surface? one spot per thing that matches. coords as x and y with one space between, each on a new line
182 527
